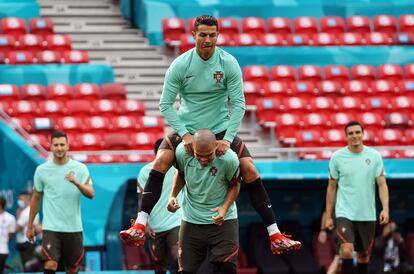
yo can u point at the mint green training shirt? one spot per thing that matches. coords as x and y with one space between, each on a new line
356 175
61 198
206 187
160 218
204 88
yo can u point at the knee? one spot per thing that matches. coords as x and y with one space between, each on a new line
164 160
51 265
347 250
248 170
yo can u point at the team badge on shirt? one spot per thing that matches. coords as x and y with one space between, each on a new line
218 75
213 171
368 161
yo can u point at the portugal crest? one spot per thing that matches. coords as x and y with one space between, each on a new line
368 161
213 171
218 75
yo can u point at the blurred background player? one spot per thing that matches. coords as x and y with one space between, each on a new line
7 230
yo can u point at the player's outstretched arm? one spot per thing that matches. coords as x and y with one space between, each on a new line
178 184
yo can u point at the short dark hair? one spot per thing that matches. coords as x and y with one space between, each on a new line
58 134
207 20
157 144
353 123
2 202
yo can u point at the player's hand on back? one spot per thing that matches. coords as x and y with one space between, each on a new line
222 147
188 143
172 205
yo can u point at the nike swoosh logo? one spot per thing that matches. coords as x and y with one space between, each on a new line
269 206
188 76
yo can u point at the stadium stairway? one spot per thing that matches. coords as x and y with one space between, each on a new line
98 27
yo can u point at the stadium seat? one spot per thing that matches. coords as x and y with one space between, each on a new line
276 89
377 39
7 43
336 73
132 107
310 73
33 92
356 88
370 137
127 124
324 39
62 92
186 42
23 123
385 23
252 92
31 42
224 40
86 91
403 39
383 88
397 120
70 124
135 257
406 23
267 108
295 105
98 124
403 104
371 120
59 42
24 108
52 108
308 138
258 74
322 105
49 57
358 24
279 25
139 158
303 89
13 26
253 25
172 28
340 119
245 40
88 141
142 141
392 72
332 24
75 57
305 25
348 104
350 39
105 158
42 124
283 73
409 137
378 104
315 121
20 58
41 26
287 122
390 137
298 39
333 138
228 25
41 140
105 107
363 72
271 40
116 141
330 88
409 71
80 108
9 92
151 124
406 88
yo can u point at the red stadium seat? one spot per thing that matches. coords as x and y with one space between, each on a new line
406 23
383 88
334 137
70 124
363 72
324 39
315 121
322 105
276 89
86 91
409 71
105 107
371 120
9 92
116 141
61 92
88 141
409 137
228 25
124 123
304 89
392 72
139 158
41 140
305 25
13 26
258 74
403 104
336 73
142 141
132 107
31 42
172 28
253 25
407 153
105 158
24 109
390 137
308 138
271 39
340 119
224 40
404 39
52 108
245 40
49 57
42 124
397 120
332 24
348 104
377 104
330 88
23 123
20 58
310 73
75 57
385 23
350 39
7 43
79 108
370 137
267 108
406 87
33 92
98 124
279 25
252 92
186 42
295 105
286 125
151 124
298 39
59 42
356 88
377 39
358 24
41 26
283 73
4 106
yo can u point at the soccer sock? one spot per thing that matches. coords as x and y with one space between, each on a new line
152 191
48 271
273 229
260 201
362 268
142 218
347 266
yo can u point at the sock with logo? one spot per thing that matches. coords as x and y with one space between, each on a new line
260 201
